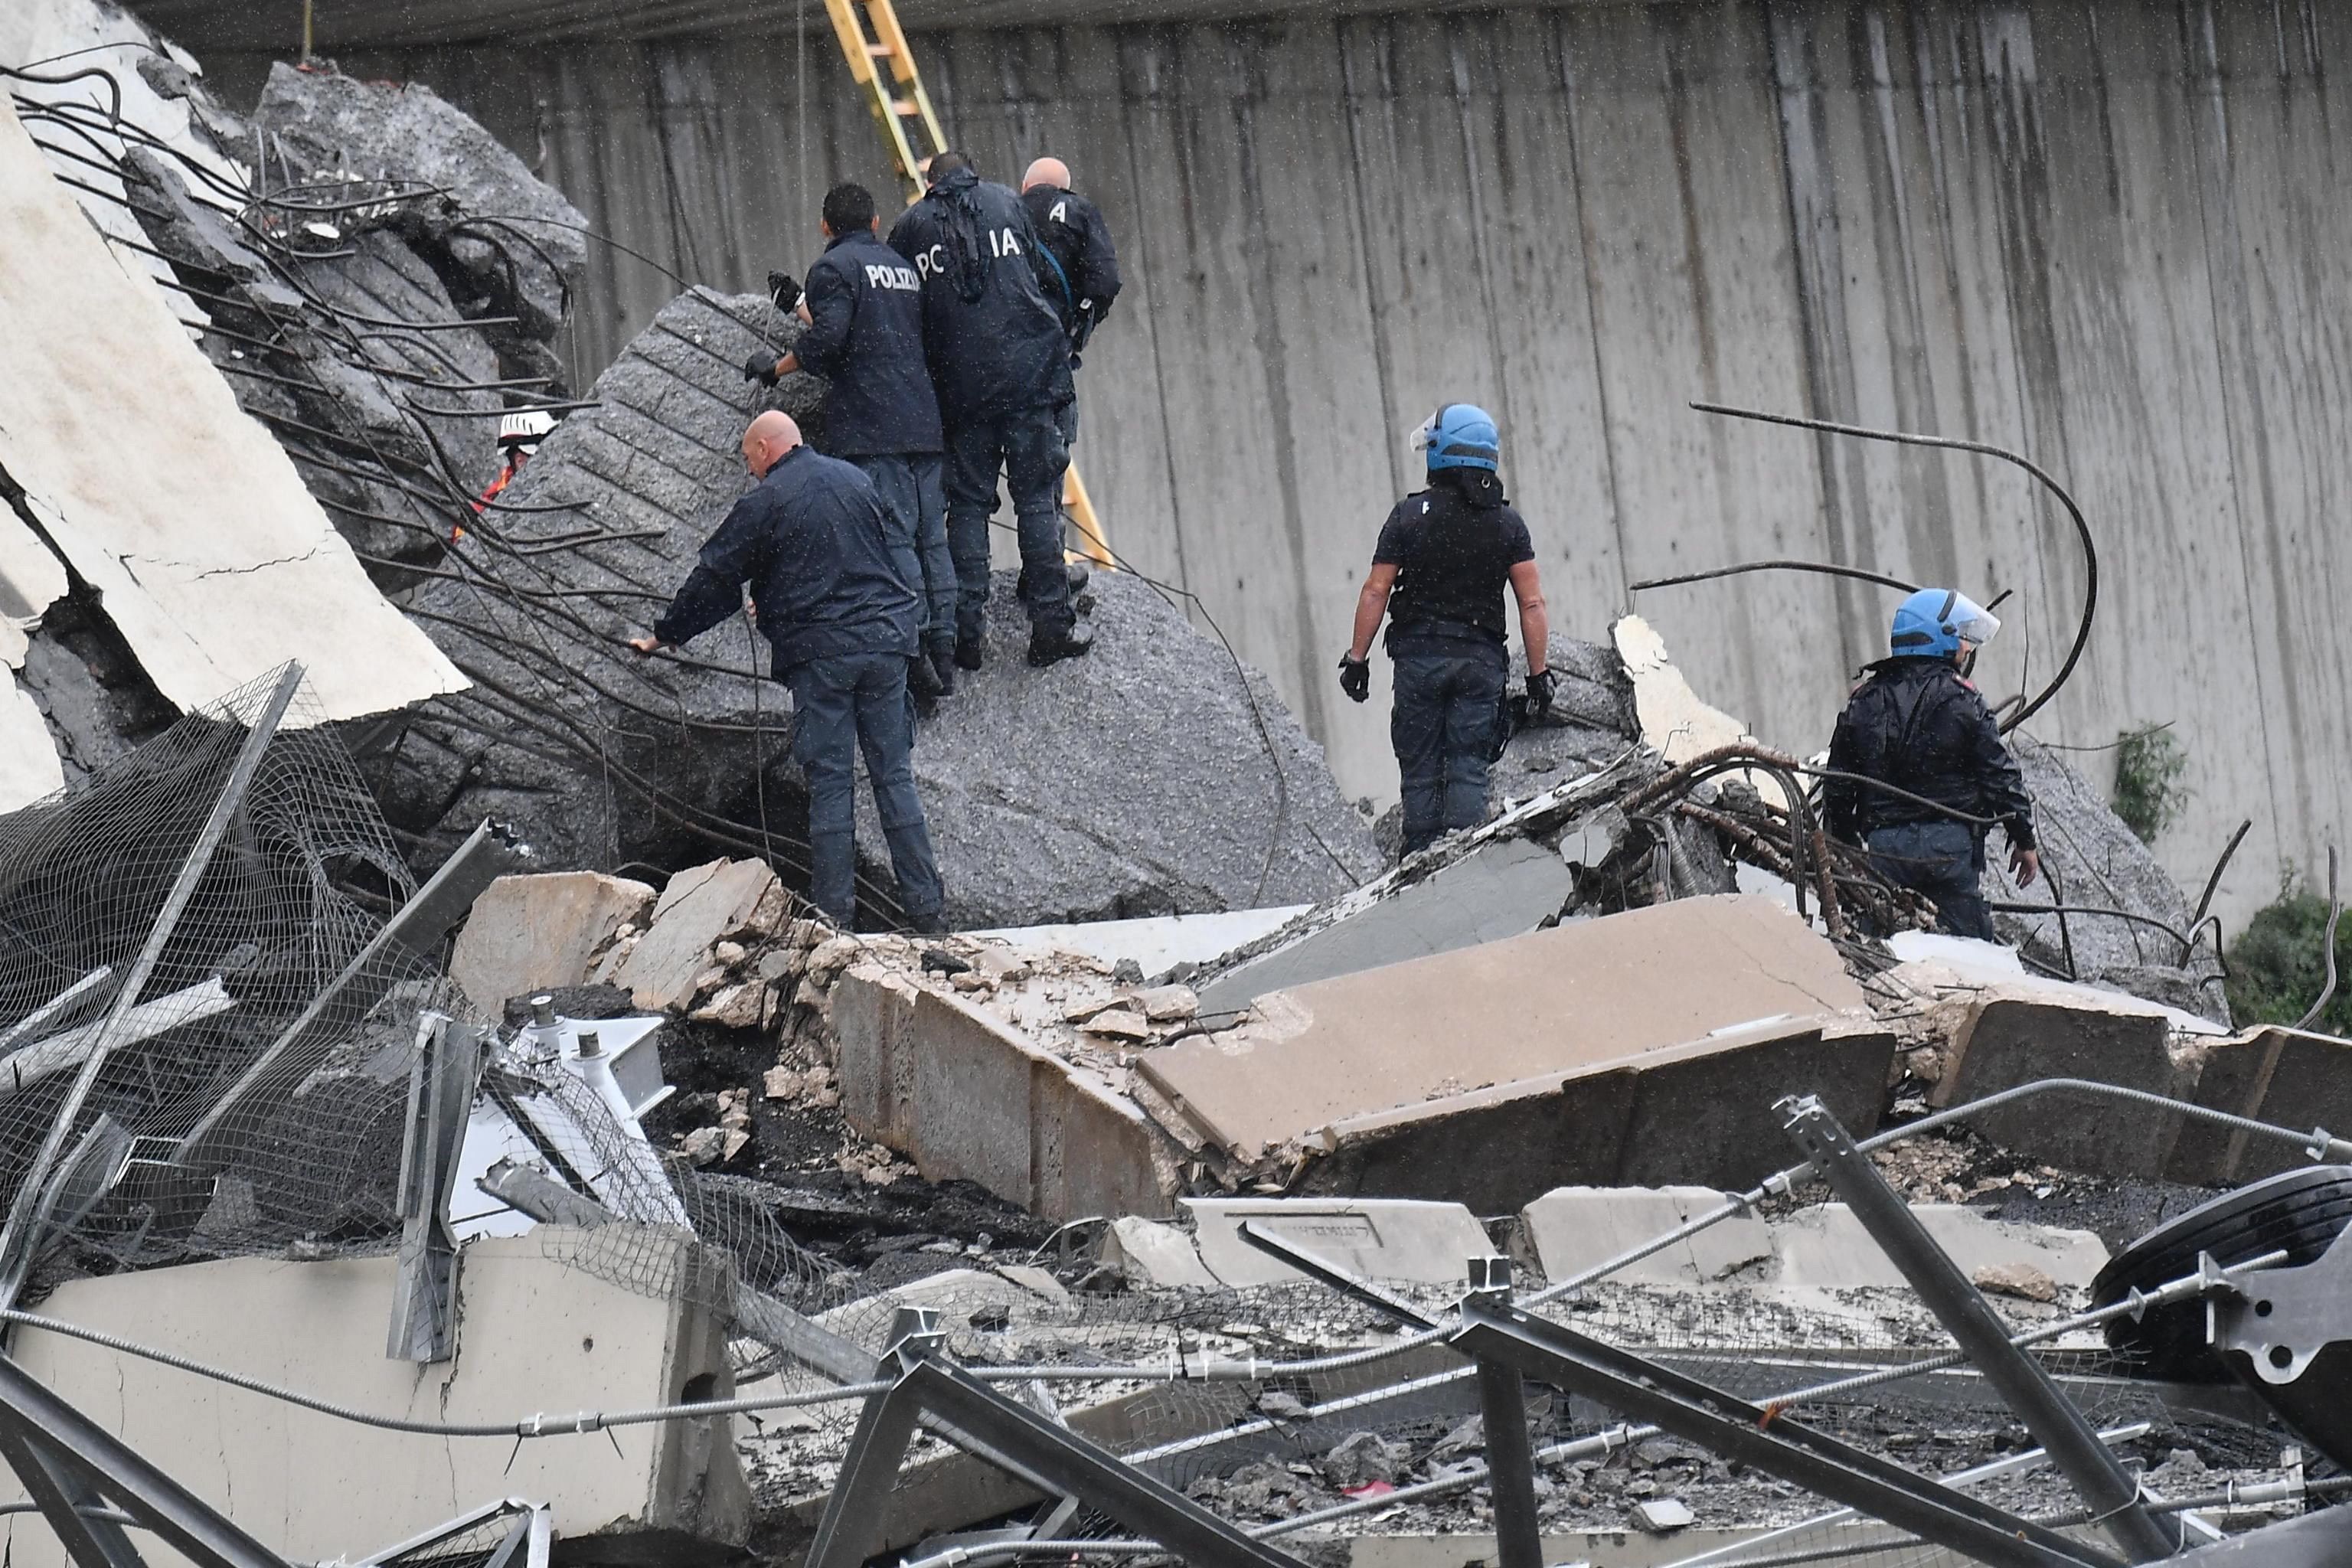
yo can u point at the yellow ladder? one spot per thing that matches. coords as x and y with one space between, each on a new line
902 109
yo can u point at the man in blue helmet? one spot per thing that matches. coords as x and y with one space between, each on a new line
1917 726
1444 558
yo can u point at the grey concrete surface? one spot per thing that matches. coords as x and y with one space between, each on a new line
2101 232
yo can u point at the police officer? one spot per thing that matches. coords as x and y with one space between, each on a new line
838 610
864 336
1438 573
1002 368
1916 724
1082 279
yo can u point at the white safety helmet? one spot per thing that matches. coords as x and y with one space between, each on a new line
524 429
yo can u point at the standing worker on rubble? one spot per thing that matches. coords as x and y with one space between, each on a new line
1915 725
1001 367
1445 556
864 334
841 616
1082 271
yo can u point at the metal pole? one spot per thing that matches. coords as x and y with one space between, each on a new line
2073 1444
17 1246
186 1523
1737 1429
64 1499
1511 1461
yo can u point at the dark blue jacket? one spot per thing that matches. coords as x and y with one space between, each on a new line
1916 725
1082 279
995 345
809 538
866 336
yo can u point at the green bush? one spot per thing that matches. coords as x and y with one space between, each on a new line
2149 795
2277 965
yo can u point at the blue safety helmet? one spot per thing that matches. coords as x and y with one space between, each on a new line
1935 622
1459 435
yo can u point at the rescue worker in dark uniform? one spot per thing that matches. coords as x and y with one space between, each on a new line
1082 278
864 336
1444 557
1916 724
1002 368
835 605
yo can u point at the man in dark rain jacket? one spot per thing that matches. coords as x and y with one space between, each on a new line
1082 278
1001 367
864 334
834 603
1917 726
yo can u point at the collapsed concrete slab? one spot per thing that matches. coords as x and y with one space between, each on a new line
320 1489
342 126
1826 1248
664 966
1650 1042
211 560
1157 776
1572 1229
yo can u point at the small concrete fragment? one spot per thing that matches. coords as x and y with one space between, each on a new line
700 908
1574 1228
1118 1024
1151 1255
1660 1515
1375 1238
1168 1003
2022 1280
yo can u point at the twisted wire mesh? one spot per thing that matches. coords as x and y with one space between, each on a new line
271 950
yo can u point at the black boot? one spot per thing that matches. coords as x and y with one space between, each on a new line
1079 577
1051 645
968 651
942 655
923 684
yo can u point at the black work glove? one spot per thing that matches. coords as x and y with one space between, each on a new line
784 290
1539 686
761 367
1355 677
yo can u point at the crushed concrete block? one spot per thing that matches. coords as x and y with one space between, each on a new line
780 1083
1000 966
1168 1003
1376 1238
529 1322
966 1096
1502 890
2284 1076
736 1007
700 908
703 1146
1151 1255
1826 1248
2019 1280
1574 1228
2013 1037
532 933
1117 1022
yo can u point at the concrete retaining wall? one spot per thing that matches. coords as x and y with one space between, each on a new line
2105 232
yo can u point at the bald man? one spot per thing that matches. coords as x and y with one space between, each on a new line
812 541
1081 264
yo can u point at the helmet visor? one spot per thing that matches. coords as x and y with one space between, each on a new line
1971 622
